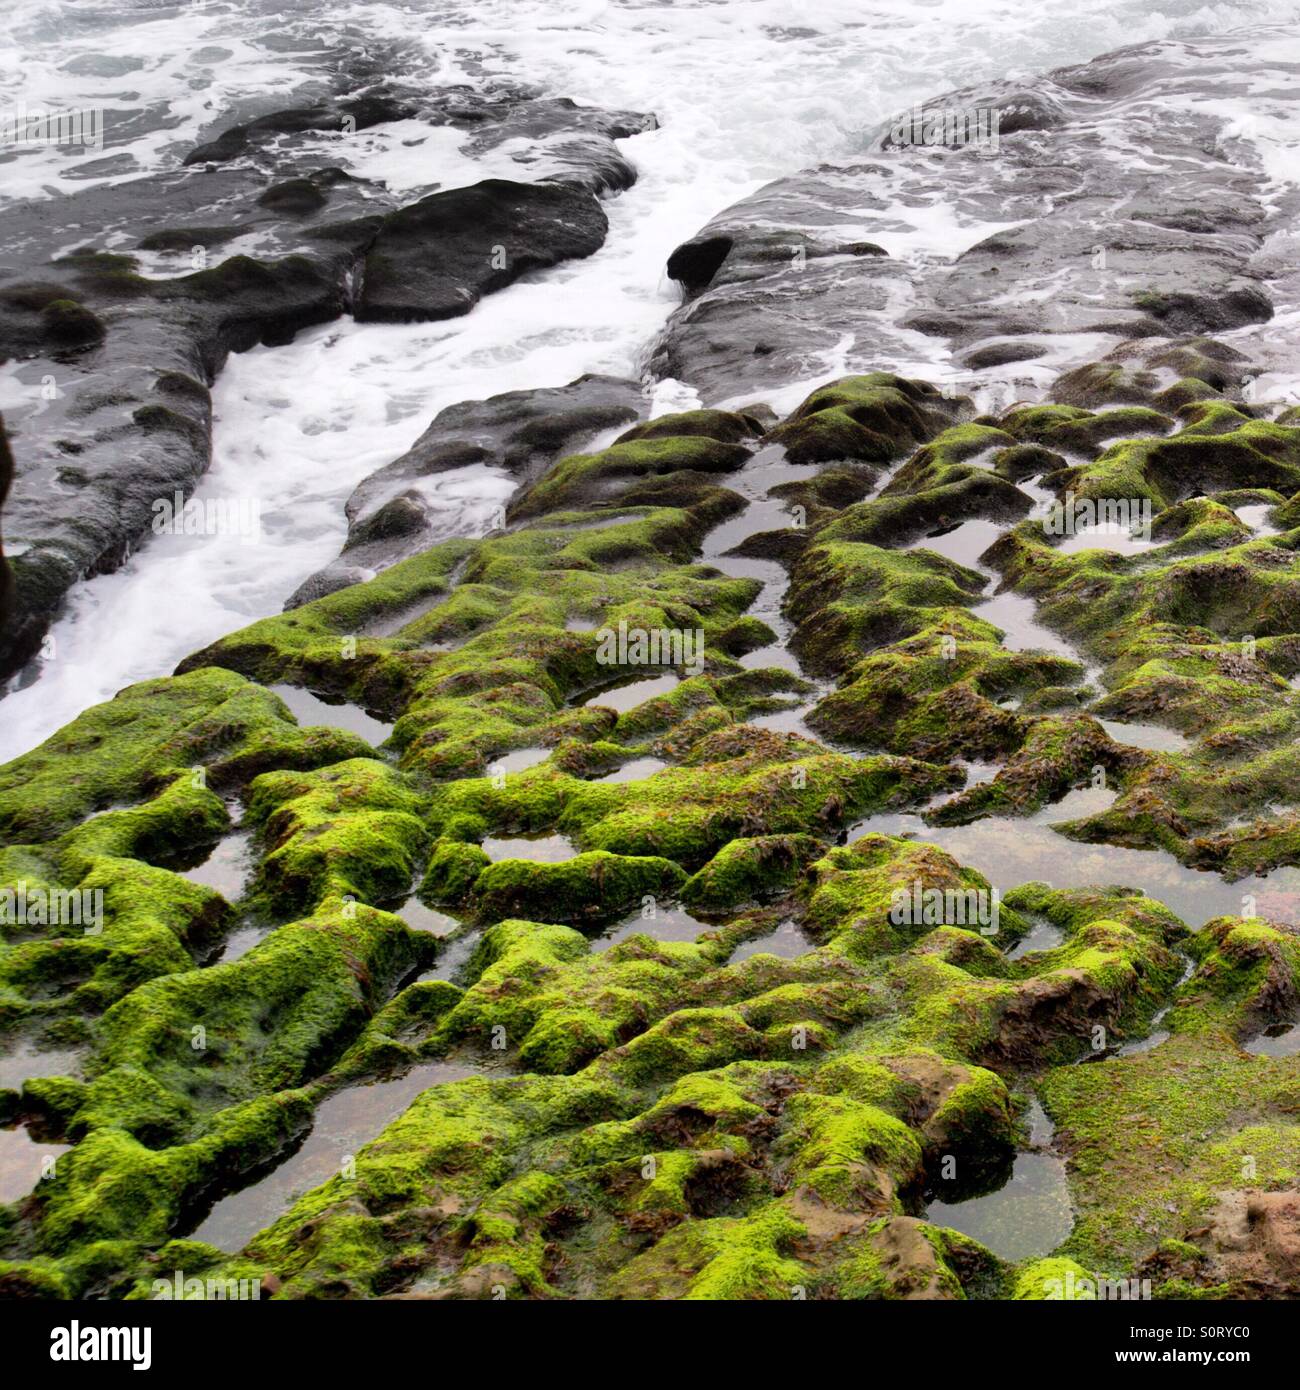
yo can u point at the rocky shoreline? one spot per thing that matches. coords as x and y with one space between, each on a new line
124 344
931 834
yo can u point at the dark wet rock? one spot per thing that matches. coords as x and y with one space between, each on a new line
357 114
584 158
6 482
762 303
521 432
243 302
328 581
435 258
187 238
45 319
999 354
294 197
694 264
1018 109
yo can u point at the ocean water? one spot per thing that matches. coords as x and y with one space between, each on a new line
745 91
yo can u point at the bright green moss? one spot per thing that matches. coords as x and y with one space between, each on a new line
140 743
871 418
1054 1279
724 1258
1247 978
152 922
666 1124
354 830
590 887
259 1023
1156 1138
851 1155
746 870
456 1144
582 478
879 893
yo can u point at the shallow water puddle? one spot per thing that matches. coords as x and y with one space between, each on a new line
1256 517
1041 936
309 709
1282 1040
766 469
634 770
458 941
769 573
453 957
789 721
1017 616
593 523
413 912
762 514
420 917
963 543
1009 852
226 867
1153 737
794 720
774 654
344 1123
1105 536
1152 1040
667 924
391 623
241 941
625 695
520 760
540 849
25 1062
787 941
1075 804
985 458
1156 1034
1027 1217
22 1158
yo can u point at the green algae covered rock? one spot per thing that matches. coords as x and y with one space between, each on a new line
748 869
136 745
588 887
760 1102
868 418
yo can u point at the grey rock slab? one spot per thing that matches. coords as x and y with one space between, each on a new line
1116 204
